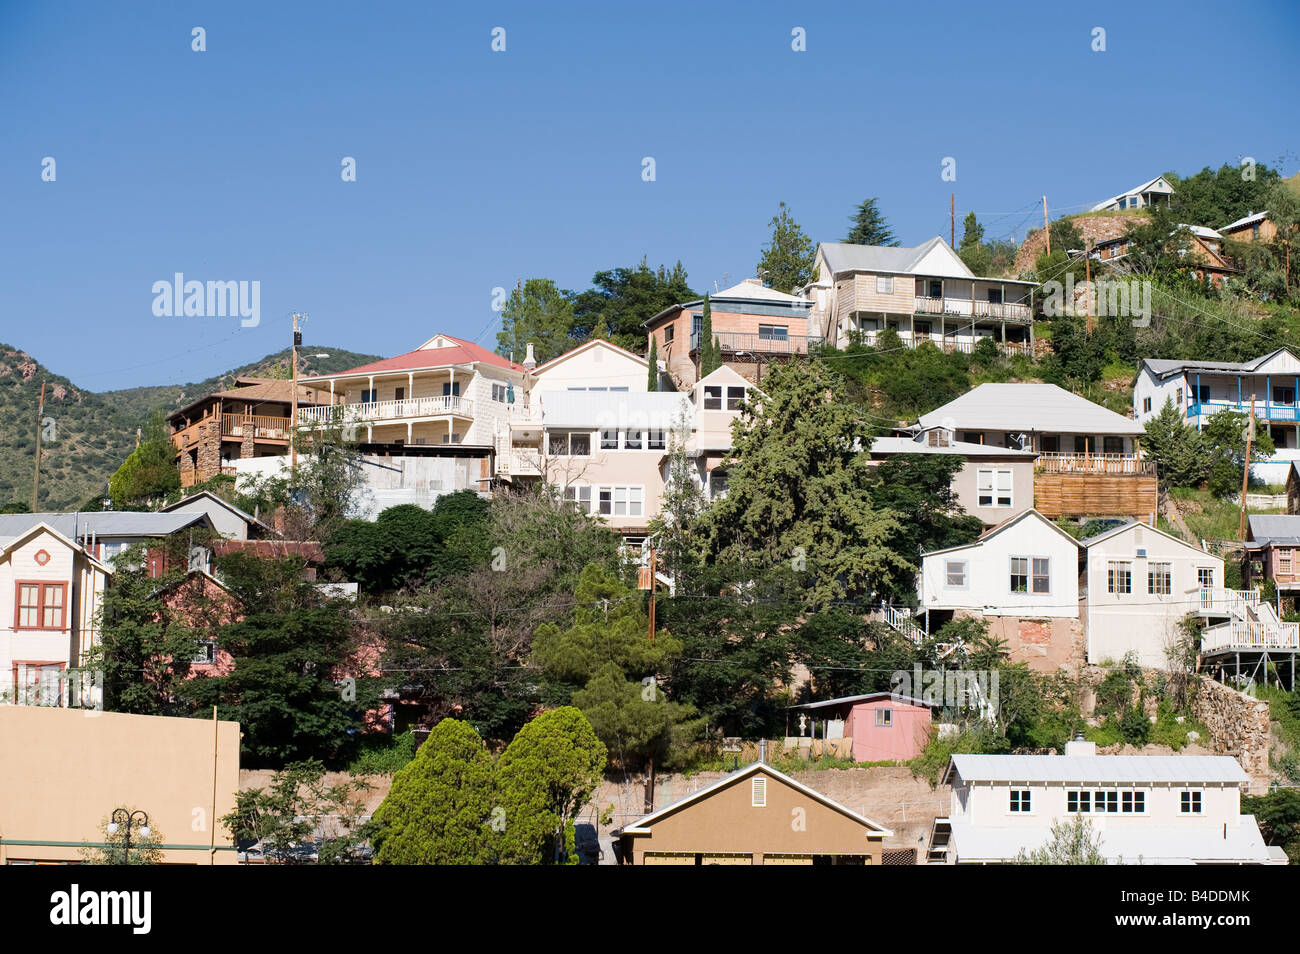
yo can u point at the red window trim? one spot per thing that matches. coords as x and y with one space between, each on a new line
62 664
63 623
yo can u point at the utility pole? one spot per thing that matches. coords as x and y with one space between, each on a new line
36 477
293 414
952 219
1245 474
650 779
1087 272
1046 228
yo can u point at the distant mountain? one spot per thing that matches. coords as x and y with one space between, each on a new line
86 436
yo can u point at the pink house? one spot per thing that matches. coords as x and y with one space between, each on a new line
884 726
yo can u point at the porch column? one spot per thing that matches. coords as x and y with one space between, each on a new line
1268 394
371 386
408 431
410 384
331 392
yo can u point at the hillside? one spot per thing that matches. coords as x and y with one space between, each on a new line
87 435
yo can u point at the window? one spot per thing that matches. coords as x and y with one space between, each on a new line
668 334
973 437
205 652
579 496
939 437
38 683
1112 445
995 296
713 397
621 501
568 445
656 440
449 438
1201 392
499 393
1042 567
1020 800
993 488
1050 443
609 440
955 574
697 325
1146 405
884 284
1119 577
1081 444
451 389
1160 579
606 501
773 333
1205 577
1284 560
936 289
1178 396
734 396
1019 574
399 394
1133 803
41 605
884 717
632 440
921 328
1078 802
368 396
1191 803
1283 395
1105 802
758 792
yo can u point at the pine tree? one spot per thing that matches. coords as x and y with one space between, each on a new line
787 261
652 369
710 353
869 226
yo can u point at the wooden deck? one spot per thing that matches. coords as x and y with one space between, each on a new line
1082 495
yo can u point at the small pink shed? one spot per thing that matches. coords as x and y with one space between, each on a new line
884 726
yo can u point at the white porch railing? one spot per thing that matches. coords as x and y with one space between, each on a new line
375 411
900 619
1249 634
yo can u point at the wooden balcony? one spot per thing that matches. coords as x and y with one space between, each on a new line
1249 636
1101 485
374 412
735 342
257 426
966 308
949 343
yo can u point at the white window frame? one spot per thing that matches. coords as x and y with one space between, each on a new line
948 584
1191 802
656 439
989 484
1020 801
884 718
735 394
1167 584
1114 567
884 284
609 438
713 397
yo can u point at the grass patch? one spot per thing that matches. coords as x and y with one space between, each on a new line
1284 709
1209 517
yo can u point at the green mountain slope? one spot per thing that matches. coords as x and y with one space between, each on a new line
85 435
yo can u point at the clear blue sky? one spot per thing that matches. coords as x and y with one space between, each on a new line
478 168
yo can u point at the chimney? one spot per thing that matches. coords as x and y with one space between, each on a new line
1078 746
762 750
530 360
753 281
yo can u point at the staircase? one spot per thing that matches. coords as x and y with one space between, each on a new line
900 619
1250 624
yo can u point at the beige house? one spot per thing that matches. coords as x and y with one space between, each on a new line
925 294
51 590
756 816
66 771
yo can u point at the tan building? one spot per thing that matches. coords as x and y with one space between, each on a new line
755 816
66 770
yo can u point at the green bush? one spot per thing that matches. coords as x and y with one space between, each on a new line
383 754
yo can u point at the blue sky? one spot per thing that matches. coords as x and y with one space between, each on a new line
476 168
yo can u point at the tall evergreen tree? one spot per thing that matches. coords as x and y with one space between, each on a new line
539 313
869 226
652 366
787 261
710 353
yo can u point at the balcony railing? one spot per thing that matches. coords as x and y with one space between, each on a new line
1249 634
372 412
948 343
257 426
1265 410
1051 462
737 341
965 308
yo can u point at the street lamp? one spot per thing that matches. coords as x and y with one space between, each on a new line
128 819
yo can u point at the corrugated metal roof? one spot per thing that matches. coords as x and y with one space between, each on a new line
102 523
1029 407
1087 769
1274 527
868 697
1244 221
1163 367
1142 843
462 352
905 445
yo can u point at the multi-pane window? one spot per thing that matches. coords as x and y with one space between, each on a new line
205 652
884 717
632 440
451 389
609 439
1284 561
569 445
1112 445
734 396
1146 405
1105 801
579 496
499 392
1205 577
1190 803
668 334
1283 395
939 437
713 397
41 605
884 284
369 395
993 488
621 501
773 333
955 573
1134 803
1042 582
1020 800
1019 574
1078 801
1119 577
656 440
1160 579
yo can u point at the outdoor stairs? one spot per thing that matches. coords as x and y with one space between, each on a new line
1248 623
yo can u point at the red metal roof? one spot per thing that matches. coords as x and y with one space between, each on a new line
463 352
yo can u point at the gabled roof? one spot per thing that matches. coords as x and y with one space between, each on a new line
8 545
223 503
1188 769
893 446
1136 190
1029 408
102 523
1146 527
1245 220
440 351
259 391
588 346
1164 367
868 697
723 374
642 825
749 291
1281 528
1001 528
846 257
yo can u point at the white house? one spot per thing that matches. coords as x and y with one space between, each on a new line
229 521
1200 389
1026 566
1139 197
1141 583
1155 809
